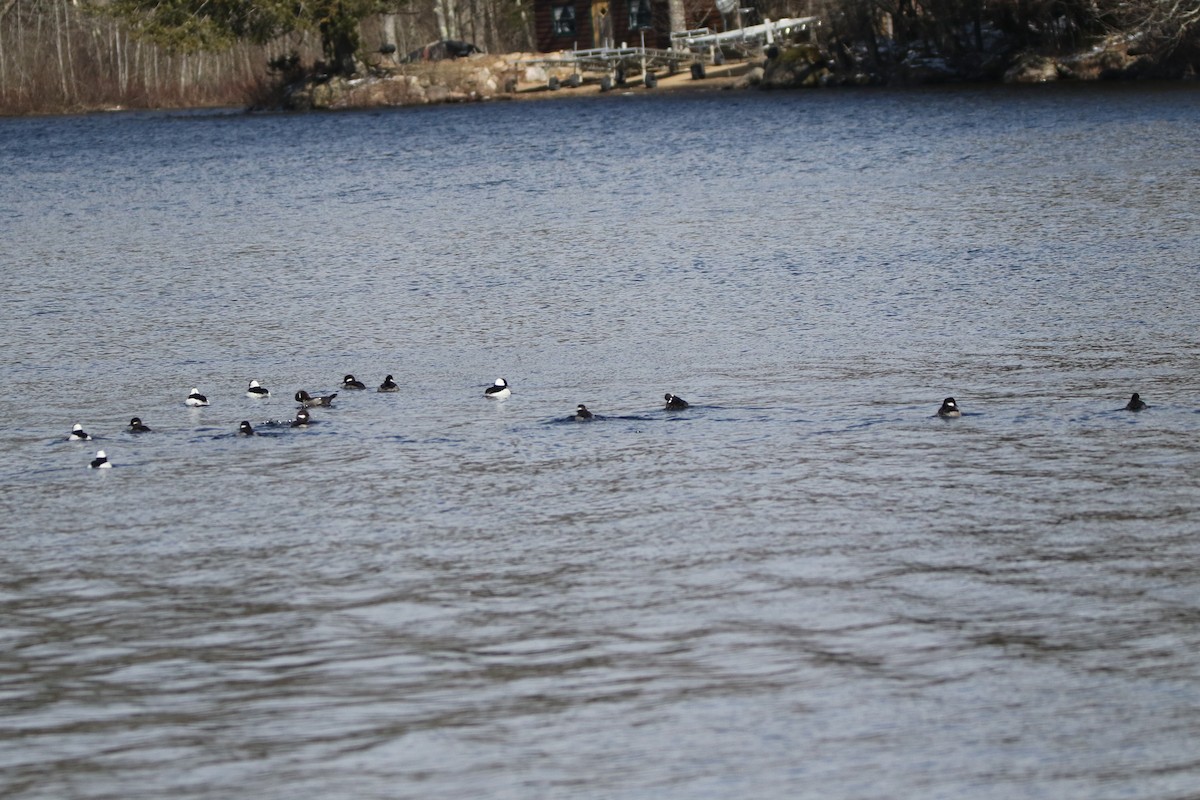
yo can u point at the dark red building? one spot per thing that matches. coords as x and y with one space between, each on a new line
586 24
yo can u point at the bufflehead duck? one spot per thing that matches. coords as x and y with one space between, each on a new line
194 398
949 408
674 402
1136 403
244 429
100 461
498 390
256 389
301 420
581 413
78 434
388 385
308 401
350 382
136 426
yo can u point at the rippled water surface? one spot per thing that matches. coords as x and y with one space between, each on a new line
804 586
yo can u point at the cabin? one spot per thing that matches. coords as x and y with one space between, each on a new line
587 24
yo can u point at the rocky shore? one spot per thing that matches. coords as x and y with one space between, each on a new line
478 77
482 77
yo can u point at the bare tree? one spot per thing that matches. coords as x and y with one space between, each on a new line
677 15
1163 24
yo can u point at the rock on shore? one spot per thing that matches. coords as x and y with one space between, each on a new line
469 79
476 77
1115 58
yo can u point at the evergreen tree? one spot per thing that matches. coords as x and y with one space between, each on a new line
205 25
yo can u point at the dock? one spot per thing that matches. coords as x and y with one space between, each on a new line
694 48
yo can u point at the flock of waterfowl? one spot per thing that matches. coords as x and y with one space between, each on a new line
497 391
254 390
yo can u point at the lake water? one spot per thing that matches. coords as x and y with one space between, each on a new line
804 586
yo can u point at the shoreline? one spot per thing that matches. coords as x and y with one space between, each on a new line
803 65
483 78
732 76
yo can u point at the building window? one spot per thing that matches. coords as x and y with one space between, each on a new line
564 20
639 15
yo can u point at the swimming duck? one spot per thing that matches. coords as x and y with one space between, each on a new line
388 385
301 420
244 429
498 390
194 398
308 401
581 413
257 390
1136 403
949 408
100 461
136 426
350 382
675 403
78 434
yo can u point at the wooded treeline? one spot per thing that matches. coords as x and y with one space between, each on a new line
78 54
881 34
56 55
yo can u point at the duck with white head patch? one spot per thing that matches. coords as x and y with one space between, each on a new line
245 429
350 382
582 414
100 461
78 434
137 426
302 418
388 385
949 408
195 399
498 390
257 391
674 402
